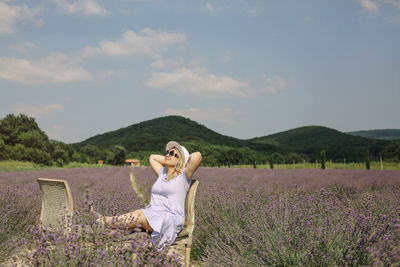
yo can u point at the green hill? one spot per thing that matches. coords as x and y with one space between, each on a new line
304 142
311 140
151 135
382 134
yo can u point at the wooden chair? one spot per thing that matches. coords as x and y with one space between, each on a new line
57 204
185 237
183 242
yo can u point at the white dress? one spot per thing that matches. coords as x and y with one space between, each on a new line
166 211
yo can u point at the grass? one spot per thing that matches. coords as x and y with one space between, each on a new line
13 165
375 165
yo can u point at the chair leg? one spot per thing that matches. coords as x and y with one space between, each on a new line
187 256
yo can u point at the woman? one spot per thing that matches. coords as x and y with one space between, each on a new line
164 216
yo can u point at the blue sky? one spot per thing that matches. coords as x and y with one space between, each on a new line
242 68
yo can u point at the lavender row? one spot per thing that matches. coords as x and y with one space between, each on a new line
247 217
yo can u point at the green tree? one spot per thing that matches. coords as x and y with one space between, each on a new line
221 157
3 153
108 156
392 151
367 160
60 153
38 156
22 153
294 157
17 152
91 152
12 126
33 138
276 157
76 157
119 155
234 156
323 159
23 140
271 164
59 162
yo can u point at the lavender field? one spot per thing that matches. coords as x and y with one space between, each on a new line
110 192
252 217
244 217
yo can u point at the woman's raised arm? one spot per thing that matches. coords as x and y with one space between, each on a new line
156 162
193 164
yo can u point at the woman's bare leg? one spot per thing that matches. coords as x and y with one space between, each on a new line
130 220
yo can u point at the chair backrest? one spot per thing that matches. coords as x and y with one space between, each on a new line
189 206
57 203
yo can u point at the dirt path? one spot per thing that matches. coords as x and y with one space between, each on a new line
136 187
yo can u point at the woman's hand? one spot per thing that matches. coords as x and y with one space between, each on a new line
193 164
156 162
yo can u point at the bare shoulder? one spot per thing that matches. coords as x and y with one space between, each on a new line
193 163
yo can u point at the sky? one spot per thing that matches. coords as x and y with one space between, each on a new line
243 68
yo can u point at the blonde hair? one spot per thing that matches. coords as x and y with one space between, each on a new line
179 165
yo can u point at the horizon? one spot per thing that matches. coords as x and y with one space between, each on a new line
244 69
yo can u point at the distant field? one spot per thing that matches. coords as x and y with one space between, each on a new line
12 165
375 165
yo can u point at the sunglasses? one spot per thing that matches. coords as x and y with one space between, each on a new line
171 153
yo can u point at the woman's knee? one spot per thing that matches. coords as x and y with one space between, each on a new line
141 219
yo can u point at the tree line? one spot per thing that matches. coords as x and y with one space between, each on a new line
22 139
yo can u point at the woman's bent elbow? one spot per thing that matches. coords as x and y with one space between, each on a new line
197 156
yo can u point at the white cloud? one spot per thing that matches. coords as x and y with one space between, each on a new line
255 11
112 74
10 15
171 63
84 7
35 111
273 85
227 57
209 6
158 64
197 82
147 42
369 5
57 68
221 115
244 8
22 48
307 19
